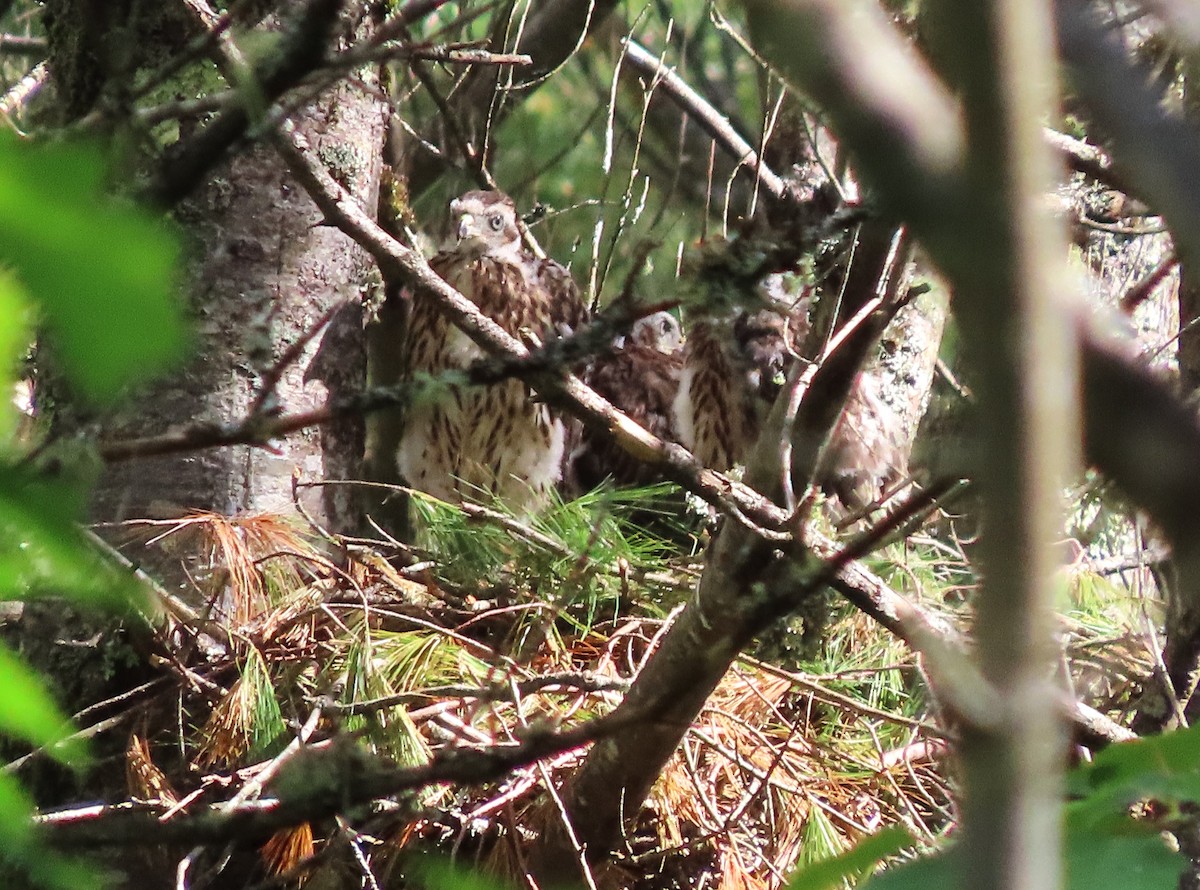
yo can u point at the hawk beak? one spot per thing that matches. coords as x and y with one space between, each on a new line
466 223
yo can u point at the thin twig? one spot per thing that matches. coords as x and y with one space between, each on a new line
345 786
578 682
449 55
24 90
16 45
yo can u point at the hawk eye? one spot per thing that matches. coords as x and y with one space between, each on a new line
496 221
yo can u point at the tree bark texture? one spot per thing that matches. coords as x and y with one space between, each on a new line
262 271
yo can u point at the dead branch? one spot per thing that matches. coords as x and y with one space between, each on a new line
459 56
318 784
1142 290
24 90
705 115
1090 160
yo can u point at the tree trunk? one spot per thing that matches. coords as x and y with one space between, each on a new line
262 270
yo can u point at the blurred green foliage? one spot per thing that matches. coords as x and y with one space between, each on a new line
97 277
831 872
100 274
1122 803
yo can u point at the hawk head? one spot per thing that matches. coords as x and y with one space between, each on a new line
484 223
659 330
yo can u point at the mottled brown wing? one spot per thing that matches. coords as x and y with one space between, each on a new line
564 313
428 456
716 410
734 370
567 310
643 383
424 339
866 454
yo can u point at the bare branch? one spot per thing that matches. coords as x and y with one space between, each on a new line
1142 290
16 45
24 90
453 56
317 785
702 112
407 265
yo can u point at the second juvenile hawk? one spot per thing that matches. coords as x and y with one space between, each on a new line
471 442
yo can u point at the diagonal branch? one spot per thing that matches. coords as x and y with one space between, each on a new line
748 582
407 265
303 49
699 109
321 783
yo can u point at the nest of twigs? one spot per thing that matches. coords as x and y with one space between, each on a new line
292 649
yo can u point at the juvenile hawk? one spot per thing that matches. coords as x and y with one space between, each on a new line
470 442
735 366
641 378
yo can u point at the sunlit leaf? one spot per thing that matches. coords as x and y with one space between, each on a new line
1134 857
40 867
14 340
29 713
853 863
1165 766
15 809
439 875
1136 861
46 868
929 873
43 551
102 273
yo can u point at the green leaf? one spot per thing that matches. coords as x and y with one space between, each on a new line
436 874
939 872
42 550
102 273
1134 861
16 831
29 713
1131 856
1166 766
854 862
15 338
18 846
